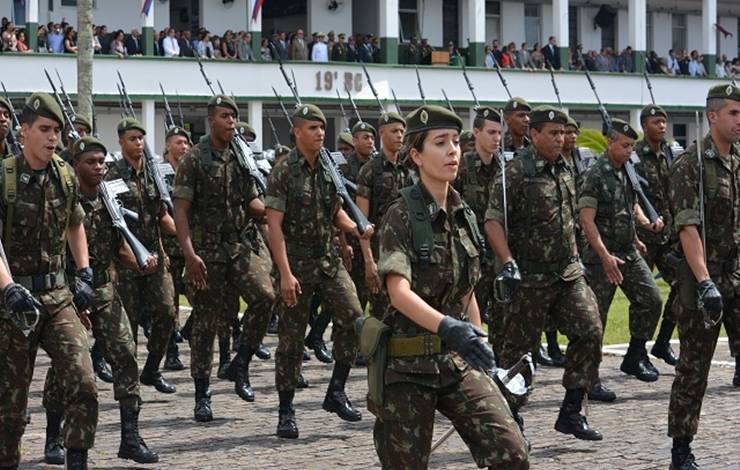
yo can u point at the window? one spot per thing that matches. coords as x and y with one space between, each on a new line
679 32
493 21
609 34
450 22
573 26
408 20
679 134
532 23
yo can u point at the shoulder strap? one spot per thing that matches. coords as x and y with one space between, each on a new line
68 186
206 157
10 180
472 223
530 167
421 224
710 175
377 166
295 182
470 163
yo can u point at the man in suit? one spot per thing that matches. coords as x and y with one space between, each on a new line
552 55
133 42
186 44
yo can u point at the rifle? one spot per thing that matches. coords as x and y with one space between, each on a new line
274 131
395 101
109 191
500 75
352 102
169 121
15 147
94 118
64 93
418 84
73 134
372 88
179 109
152 166
243 151
447 100
467 79
341 107
282 107
647 80
501 291
24 321
629 167
554 85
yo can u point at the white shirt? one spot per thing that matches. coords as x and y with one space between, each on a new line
320 52
171 47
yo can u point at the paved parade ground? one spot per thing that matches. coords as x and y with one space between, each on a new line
242 434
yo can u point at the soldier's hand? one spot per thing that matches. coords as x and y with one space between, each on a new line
347 254
371 277
151 264
82 289
658 226
641 248
20 302
196 272
511 276
468 341
290 289
367 234
710 300
611 268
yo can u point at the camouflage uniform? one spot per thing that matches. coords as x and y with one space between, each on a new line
379 181
722 214
155 291
608 190
36 249
541 207
509 143
309 201
351 171
230 244
416 386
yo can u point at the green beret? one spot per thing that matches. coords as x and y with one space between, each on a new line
652 110
130 124
82 120
573 123
488 113
544 114
43 104
5 104
363 127
623 127
430 117
88 144
517 104
282 150
345 138
309 112
389 118
245 129
466 136
223 101
726 92
177 130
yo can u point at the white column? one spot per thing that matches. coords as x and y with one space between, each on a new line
32 11
637 25
148 118
477 20
148 20
388 16
560 23
254 118
708 34
635 118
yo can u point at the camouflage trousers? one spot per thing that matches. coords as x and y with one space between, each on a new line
61 334
180 287
574 305
111 328
248 276
697 349
404 424
638 286
358 277
337 294
660 256
153 292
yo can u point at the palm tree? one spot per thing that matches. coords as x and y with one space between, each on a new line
85 58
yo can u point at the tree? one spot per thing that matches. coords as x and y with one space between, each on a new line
84 58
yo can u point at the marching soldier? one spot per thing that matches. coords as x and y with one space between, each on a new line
83 128
609 214
516 114
437 355
345 144
140 291
302 213
540 212
216 204
708 273
110 324
42 217
6 126
467 141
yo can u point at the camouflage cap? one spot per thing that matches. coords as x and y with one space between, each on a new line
309 112
224 102
488 113
88 144
573 123
83 121
517 104
130 124
43 104
389 118
430 117
245 129
466 136
652 110
5 103
345 138
727 92
363 127
281 150
177 130
624 128
544 114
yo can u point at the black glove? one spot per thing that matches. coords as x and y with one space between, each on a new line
511 276
465 339
82 289
22 305
710 301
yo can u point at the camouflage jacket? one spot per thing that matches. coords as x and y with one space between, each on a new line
309 202
721 200
509 143
608 190
452 272
171 246
220 191
351 170
654 167
541 203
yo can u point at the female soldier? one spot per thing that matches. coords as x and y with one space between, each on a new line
437 355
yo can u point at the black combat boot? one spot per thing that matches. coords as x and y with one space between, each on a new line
99 366
520 422
146 322
54 447
172 360
681 456
543 358
600 393
634 362
315 338
306 355
76 459
571 421
236 334
553 349
662 348
224 356
202 409
238 372
150 375
287 426
187 329
736 379
133 446
272 327
336 400
262 352
302 382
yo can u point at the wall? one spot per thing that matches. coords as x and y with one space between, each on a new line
662 32
221 17
589 37
430 21
693 35
339 21
116 15
512 22
547 24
